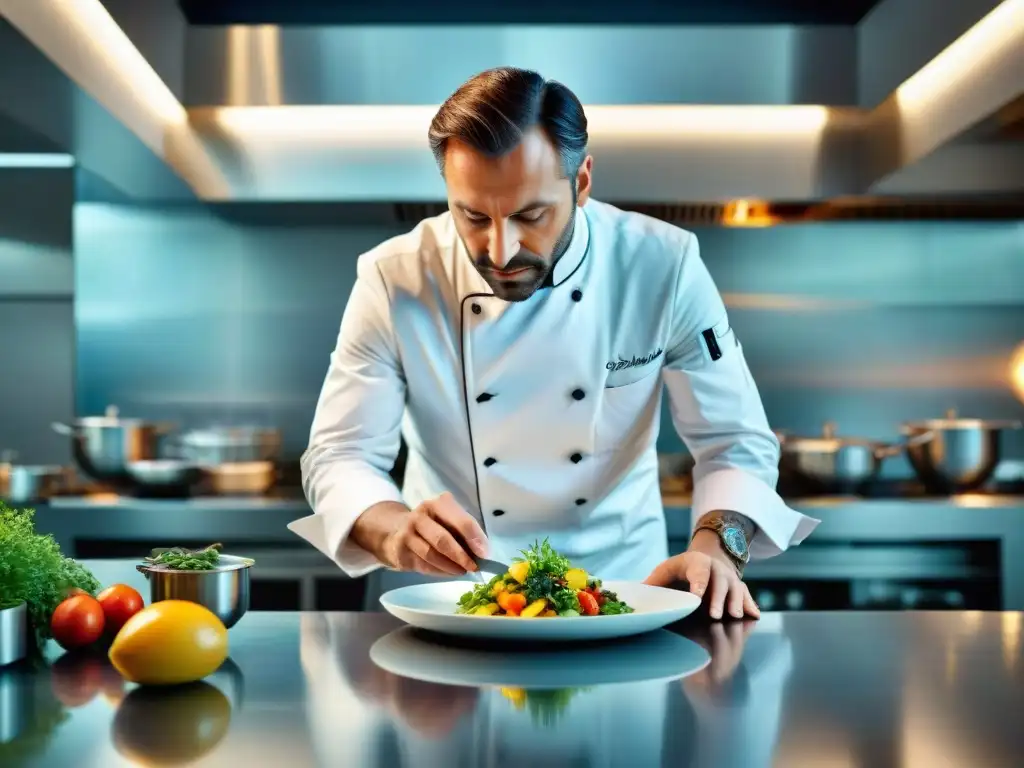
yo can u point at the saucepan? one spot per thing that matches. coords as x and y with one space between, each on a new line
832 464
961 455
26 483
103 446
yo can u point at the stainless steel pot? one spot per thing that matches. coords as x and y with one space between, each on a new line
962 454
231 445
831 464
104 445
224 590
27 483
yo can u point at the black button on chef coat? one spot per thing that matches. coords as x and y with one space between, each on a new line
490 462
498 512
483 398
476 309
576 458
578 394
580 502
577 294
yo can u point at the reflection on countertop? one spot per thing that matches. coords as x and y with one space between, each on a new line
321 689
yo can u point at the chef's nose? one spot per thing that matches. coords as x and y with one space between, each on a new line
503 245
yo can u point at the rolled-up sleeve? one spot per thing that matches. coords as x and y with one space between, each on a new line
356 429
717 411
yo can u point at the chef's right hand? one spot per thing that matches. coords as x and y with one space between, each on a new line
428 538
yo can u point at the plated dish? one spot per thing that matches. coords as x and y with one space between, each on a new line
542 584
568 603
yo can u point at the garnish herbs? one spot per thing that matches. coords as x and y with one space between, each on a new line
34 571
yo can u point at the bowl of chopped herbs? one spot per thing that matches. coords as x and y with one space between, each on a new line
206 576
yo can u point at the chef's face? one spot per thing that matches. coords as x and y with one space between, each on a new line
514 213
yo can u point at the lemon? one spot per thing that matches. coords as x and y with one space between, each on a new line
170 642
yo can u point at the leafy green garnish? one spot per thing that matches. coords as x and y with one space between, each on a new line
479 595
544 585
33 570
181 559
544 559
612 605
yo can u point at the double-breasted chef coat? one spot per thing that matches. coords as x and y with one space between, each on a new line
541 416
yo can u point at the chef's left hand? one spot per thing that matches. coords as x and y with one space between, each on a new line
711 576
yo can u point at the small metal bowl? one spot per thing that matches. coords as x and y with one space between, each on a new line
224 590
14 634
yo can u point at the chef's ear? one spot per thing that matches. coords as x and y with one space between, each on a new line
583 180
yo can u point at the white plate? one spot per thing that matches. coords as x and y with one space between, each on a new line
432 606
656 656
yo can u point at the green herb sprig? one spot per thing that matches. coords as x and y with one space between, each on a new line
181 559
543 558
34 571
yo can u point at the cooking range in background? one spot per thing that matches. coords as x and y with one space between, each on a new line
950 455
151 459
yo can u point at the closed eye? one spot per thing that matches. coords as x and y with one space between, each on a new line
532 217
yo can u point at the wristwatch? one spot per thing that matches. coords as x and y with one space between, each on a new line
734 540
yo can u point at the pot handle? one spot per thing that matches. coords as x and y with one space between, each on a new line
62 429
143 569
885 451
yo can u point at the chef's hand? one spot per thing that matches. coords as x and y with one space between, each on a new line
426 539
711 575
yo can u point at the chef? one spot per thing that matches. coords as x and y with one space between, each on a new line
521 343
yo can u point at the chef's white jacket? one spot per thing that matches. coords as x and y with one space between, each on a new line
541 416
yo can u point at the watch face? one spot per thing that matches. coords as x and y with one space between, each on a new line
735 542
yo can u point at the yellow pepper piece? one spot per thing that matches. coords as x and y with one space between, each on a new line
518 571
534 609
499 587
576 578
486 610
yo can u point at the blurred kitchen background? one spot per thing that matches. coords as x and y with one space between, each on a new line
185 188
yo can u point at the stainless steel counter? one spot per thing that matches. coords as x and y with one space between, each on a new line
804 689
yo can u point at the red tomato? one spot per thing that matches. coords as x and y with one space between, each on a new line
78 621
588 603
120 602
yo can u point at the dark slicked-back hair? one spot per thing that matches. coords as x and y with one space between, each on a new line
491 111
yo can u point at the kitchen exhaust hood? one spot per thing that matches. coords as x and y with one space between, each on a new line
726 116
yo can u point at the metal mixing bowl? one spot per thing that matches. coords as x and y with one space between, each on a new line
225 590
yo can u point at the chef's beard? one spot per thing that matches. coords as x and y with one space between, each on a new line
525 285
